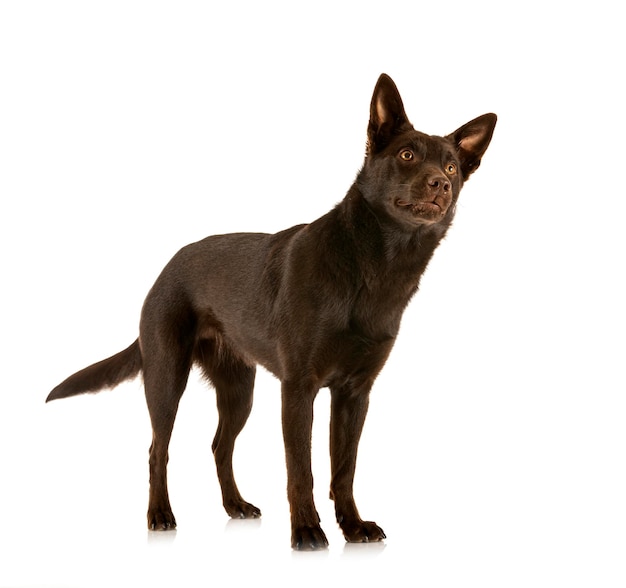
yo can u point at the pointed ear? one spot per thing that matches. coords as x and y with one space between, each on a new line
472 140
387 116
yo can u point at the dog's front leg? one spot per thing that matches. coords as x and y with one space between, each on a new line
348 411
297 416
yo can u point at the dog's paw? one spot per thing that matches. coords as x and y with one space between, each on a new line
308 538
241 509
363 532
161 520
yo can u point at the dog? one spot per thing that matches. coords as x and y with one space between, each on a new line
318 305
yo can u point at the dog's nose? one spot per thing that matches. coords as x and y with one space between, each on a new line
438 185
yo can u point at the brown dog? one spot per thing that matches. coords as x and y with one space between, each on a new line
318 305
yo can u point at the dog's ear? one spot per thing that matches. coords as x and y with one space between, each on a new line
471 141
387 116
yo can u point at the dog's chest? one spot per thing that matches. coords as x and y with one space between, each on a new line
350 357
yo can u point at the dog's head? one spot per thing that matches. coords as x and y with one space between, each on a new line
412 178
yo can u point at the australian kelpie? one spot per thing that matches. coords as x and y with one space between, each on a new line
319 305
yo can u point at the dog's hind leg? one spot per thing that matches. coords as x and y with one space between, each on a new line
233 380
167 356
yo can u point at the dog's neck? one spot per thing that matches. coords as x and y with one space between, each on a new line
381 268
380 241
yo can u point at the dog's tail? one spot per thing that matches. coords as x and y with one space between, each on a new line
107 373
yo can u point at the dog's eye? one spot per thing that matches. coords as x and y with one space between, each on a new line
451 168
406 155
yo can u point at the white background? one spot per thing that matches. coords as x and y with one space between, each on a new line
494 452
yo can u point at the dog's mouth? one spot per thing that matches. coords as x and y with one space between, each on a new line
428 211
